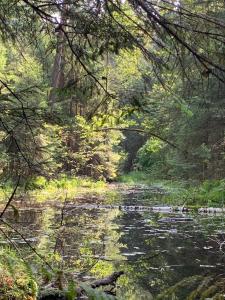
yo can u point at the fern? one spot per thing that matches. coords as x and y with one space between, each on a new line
170 292
71 292
94 294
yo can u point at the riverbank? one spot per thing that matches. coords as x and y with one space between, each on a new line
210 193
189 193
41 190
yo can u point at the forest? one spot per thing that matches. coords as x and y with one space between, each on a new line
112 149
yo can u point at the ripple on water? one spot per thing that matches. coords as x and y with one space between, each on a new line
157 248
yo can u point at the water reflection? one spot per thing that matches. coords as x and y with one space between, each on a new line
153 254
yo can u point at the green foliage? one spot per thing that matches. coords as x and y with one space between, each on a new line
90 152
208 193
199 287
150 158
40 189
94 294
71 292
16 279
52 125
135 177
212 192
63 187
192 193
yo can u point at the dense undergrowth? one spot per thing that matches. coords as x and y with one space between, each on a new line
19 280
40 189
192 193
16 279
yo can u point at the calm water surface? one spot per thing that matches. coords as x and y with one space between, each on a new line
153 251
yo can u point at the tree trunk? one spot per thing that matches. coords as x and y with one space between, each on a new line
58 76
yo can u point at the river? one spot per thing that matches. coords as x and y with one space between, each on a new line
155 250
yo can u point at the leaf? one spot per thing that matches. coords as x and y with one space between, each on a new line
71 292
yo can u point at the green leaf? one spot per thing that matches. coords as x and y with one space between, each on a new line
71 292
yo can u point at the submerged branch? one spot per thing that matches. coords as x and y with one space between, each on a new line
107 280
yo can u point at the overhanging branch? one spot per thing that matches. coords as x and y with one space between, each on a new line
148 133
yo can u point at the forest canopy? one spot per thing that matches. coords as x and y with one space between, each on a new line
98 87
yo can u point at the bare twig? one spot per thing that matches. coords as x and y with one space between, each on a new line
140 131
11 197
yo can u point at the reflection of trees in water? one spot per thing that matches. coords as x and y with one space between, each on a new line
171 252
27 222
83 234
169 256
24 218
82 238
139 268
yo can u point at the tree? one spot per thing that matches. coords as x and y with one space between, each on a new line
182 41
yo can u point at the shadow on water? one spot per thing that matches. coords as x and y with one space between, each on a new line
153 250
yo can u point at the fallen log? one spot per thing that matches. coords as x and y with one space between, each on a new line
211 210
52 294
71 208
141 208
110 280
56 294
175 220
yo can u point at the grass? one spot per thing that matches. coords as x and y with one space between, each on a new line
189 193
207 193
40 190
135 177
142 178
66 187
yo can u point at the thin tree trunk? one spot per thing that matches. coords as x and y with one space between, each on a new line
58 76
